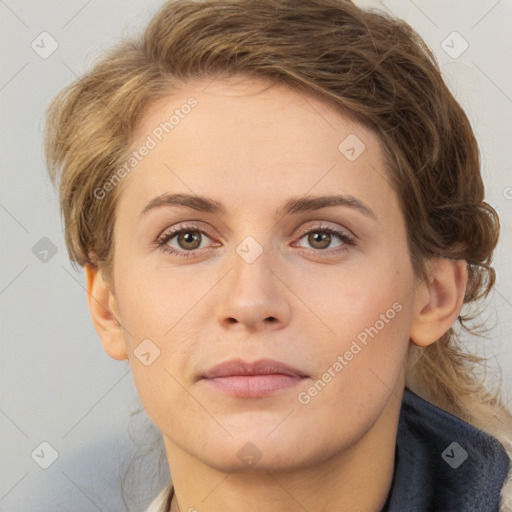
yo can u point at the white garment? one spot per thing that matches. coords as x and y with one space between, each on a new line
157 505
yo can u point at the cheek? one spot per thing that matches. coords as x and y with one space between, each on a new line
157 365
369 347
361 360
363 302
355 383
153 304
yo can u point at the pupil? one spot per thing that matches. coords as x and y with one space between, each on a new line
189 238
323 239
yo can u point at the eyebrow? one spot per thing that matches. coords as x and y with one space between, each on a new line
293 205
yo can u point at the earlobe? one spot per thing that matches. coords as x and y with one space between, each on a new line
438 302
104 313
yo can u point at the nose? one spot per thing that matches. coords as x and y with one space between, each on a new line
254 296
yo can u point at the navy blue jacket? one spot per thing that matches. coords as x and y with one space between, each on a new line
443 464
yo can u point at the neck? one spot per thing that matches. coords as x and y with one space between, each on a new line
356 478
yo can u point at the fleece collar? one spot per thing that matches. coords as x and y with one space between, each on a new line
443 464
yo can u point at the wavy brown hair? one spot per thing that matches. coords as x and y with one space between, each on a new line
367 65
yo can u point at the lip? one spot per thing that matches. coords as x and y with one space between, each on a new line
235 367
251 380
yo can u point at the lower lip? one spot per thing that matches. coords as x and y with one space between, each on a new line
253 386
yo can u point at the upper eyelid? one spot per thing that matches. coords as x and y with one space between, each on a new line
192 225
324 225
197 226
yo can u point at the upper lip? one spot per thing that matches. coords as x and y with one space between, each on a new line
235 367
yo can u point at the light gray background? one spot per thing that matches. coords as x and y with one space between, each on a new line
56 383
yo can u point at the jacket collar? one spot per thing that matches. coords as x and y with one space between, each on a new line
443 464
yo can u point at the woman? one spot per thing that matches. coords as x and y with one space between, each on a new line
279 209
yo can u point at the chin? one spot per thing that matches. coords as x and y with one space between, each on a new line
255 450
254 457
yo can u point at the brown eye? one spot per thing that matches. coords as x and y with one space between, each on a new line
189 240
325 239
183 241
319 239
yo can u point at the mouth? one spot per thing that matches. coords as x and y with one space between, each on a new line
252 380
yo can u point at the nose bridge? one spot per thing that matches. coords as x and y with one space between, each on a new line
253 295
252 278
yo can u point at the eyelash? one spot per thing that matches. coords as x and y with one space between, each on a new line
168 235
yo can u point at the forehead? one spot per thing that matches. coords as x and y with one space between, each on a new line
248 138
246 99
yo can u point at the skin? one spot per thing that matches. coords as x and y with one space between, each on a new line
252 147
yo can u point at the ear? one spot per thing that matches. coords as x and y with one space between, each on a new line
104 313
438 302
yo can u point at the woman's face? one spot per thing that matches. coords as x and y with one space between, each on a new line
263 269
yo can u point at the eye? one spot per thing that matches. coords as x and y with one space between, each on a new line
187 241
321 237
182 241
